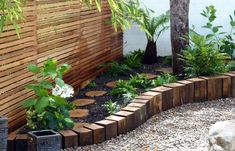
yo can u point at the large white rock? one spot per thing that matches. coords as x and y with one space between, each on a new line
222 136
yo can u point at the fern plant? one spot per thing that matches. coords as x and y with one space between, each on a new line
123 87
164 79
140 80
202 57
116 69
134 59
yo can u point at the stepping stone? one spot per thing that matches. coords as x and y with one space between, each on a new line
150 76
111 84
95 93
165 70
83 102
79 113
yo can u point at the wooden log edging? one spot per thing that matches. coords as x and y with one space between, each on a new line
141 109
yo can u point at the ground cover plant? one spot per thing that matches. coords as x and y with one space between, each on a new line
49 109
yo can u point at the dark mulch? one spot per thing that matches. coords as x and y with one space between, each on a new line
97 110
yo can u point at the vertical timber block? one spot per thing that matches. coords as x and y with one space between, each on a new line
178 93
200 89
130 119
110 128
137 114
148 100
157 103
21 142
232 76
84 136
11 142
121 123
214 87
98 133
143 111
69 139
226 92
189 90
166 96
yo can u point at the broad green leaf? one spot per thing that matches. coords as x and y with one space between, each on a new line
41 104
29 102
33 68
59 82
69 122
45 84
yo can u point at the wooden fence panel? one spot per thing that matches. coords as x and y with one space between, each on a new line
65 30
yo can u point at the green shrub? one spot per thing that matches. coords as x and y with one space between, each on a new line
48 109
164 79
134 59
167 60
202 58
141 81
225 41
112 107
92 85
123 87
128 97
231 66
116 69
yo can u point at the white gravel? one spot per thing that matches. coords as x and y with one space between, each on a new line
184 128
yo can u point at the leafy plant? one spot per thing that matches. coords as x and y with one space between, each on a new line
225 41
116 69
11 12
112 107
202 57
231 66
128 97
123 87
48 109
164 79
140 80
134 59
167 60
153 28
92 85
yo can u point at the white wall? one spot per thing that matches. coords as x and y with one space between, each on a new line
135 39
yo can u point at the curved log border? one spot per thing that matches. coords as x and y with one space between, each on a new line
145 106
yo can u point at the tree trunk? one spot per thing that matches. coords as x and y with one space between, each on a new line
150 55
179 28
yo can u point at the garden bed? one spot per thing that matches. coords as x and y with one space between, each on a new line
97 110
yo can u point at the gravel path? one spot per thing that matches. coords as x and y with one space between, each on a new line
183 128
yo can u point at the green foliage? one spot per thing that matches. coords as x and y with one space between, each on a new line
11 12
225 41
111 107
123 87
92 85
164 79
231 66
134 59
128 97
48 109
202 58
167 60
116 69
153 25
141 81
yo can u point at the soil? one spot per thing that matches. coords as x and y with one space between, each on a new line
97 110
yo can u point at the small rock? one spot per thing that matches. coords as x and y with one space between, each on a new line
222 136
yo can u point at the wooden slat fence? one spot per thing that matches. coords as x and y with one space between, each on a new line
63 29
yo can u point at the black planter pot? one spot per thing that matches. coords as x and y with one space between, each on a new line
44 140
3 133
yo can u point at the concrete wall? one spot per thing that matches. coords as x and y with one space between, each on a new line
134 38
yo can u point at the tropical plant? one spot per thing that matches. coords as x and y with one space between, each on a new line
11 13
153 28
116 69
164 78
134 59
128 97
225 41
231 66
202 57
112 107
140 80
123 87
167 61
48 109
